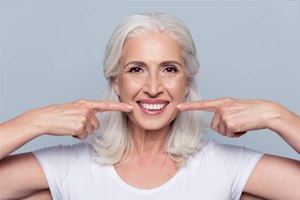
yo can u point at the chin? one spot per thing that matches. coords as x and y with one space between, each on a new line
153 126
152 123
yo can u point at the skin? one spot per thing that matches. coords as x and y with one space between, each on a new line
40 195
148 71
46 195
232 117
272 178
151 67
76 119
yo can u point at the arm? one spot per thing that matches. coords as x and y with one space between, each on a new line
234 117
41 195
246 196
273 177
286 124
76 119
21 175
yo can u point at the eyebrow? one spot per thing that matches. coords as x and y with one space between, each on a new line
141 63
171 62
135 62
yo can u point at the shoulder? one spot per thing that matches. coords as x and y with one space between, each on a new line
72 148
230 157
217 150
64 153
60 163
226 168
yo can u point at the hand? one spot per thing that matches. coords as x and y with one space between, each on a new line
234 117
77 119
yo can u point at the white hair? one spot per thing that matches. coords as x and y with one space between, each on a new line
114 138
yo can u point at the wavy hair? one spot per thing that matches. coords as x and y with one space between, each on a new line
114 138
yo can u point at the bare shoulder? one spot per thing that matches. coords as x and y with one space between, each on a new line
20 176
275 178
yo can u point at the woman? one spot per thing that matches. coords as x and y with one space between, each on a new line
149 146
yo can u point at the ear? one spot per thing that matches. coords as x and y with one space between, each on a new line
116 85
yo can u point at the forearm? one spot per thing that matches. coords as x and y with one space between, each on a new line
17 132
40 195
246 196
287 125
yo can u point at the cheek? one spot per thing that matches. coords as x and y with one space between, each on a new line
177 89
129 87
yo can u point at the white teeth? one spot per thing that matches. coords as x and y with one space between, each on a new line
153 106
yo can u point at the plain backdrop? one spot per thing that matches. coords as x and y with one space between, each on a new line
52 51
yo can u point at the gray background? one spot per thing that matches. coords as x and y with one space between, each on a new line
51 52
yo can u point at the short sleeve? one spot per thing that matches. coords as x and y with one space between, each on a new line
238 163
57 163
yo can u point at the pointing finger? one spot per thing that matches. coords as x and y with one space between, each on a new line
100 106
206 105
111 106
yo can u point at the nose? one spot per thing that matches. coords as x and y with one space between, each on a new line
153 85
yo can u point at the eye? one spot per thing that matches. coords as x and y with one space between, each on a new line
170 69
135 70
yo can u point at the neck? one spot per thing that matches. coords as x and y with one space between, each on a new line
148 142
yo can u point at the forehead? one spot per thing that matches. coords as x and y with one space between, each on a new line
152 47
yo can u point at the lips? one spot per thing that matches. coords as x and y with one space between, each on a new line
152 107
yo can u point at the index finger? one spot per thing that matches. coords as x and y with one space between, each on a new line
206 105
101 106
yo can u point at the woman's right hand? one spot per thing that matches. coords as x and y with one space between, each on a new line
77 119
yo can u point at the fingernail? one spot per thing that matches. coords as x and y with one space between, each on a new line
179 106
129 107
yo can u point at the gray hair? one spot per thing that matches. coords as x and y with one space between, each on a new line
113 138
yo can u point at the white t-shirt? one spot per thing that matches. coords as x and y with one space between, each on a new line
217 172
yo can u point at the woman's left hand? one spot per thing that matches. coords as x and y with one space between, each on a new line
273 177
234 117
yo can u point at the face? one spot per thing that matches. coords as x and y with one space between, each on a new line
152 79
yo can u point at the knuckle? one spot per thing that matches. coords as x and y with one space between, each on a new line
79 128
225 119
82 101
232 128
227 99
85 110
222 110
214 127
83 119
81 137
222 131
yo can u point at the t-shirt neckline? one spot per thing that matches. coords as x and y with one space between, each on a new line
140 191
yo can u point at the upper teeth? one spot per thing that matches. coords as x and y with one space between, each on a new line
153 106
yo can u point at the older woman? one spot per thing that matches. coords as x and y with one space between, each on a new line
149 143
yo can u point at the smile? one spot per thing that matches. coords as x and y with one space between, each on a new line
152 107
